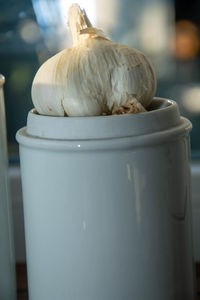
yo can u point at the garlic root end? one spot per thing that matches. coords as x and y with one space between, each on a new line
131 107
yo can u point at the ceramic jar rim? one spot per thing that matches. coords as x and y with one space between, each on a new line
165 116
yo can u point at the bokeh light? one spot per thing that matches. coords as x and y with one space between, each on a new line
29 31
187 41
191 100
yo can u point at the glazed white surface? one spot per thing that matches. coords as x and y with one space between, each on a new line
112 220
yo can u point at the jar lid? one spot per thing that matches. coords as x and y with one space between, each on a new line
2 80
162 114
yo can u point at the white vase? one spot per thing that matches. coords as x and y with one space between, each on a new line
7 261
107 206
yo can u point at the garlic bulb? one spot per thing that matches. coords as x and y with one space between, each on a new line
94 77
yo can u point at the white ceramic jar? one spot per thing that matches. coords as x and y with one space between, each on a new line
7 261
107 206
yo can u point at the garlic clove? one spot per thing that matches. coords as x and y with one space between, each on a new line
46 92
132 76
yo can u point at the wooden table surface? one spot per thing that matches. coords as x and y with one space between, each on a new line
22 292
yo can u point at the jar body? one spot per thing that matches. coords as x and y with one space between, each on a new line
7 262
108 224
107 206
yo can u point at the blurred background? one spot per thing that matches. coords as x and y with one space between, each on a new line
167 31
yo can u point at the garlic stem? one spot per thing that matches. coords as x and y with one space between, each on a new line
77 21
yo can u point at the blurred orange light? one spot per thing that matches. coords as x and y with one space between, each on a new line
187 41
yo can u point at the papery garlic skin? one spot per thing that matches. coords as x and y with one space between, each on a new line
94 77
